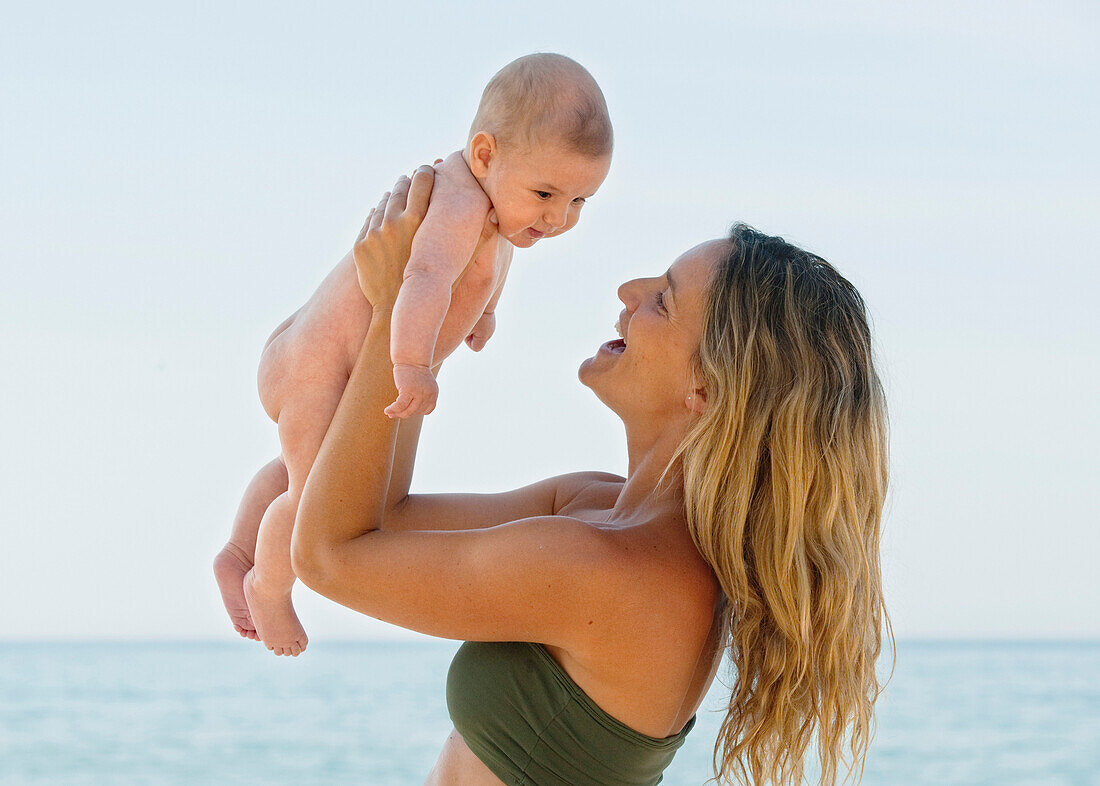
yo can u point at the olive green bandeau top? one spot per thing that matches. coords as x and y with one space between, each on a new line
526 719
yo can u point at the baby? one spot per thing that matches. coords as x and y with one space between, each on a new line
539 146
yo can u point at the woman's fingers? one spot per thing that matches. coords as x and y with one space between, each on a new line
376 213
408 197
398 197
374 218
366 226
420 192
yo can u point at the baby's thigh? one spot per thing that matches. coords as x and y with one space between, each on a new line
302 376
307 408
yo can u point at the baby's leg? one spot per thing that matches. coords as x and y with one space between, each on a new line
237 556
303 422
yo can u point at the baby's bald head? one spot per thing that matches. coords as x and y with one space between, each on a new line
545 98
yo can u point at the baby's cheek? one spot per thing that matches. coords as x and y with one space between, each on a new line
506 221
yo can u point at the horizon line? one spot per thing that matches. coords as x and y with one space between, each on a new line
425 639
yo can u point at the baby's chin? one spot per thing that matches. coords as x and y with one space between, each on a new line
521 239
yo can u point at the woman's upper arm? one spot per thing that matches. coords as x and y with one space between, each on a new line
477 511
549 579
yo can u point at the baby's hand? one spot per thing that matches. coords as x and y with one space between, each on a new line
482 332
417 391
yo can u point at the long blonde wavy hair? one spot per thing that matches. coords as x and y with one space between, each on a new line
785 477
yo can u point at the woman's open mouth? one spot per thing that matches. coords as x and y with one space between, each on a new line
615 347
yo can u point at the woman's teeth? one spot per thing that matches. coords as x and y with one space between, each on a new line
617 345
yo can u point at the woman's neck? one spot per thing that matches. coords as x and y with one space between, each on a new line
640 500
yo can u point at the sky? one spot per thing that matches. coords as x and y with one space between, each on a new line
176 180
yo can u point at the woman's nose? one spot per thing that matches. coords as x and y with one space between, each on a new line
626 293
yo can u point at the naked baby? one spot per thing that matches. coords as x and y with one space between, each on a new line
539 146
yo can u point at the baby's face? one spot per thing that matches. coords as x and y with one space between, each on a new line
540 192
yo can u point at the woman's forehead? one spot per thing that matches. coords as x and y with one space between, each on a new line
692 269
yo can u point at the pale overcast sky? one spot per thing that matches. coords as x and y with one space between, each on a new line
176 179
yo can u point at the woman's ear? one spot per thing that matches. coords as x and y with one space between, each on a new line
483 148
696 401
696 398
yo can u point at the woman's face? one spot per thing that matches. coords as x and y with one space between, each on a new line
652 375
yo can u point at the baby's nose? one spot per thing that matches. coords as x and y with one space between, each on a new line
554 218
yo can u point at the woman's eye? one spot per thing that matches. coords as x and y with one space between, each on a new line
543 194
661 300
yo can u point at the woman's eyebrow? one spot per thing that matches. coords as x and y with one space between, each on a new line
671 284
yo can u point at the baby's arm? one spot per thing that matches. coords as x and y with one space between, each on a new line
440 251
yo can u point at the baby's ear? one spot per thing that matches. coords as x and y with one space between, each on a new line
483 147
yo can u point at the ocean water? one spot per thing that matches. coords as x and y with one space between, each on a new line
374 713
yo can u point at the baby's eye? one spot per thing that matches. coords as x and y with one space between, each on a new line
579 200
543 194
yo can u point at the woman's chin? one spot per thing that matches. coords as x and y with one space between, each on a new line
584 370
591 378
588 371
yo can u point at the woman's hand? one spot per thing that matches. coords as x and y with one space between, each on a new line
385 242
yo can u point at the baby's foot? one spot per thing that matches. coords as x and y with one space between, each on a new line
276 622
230 567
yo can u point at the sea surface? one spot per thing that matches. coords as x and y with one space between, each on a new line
374 713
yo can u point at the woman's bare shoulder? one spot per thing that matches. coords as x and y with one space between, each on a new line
587 488
557 495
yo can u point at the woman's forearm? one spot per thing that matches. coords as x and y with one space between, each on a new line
404 457
346 492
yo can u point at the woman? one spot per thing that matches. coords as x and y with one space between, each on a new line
747 523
